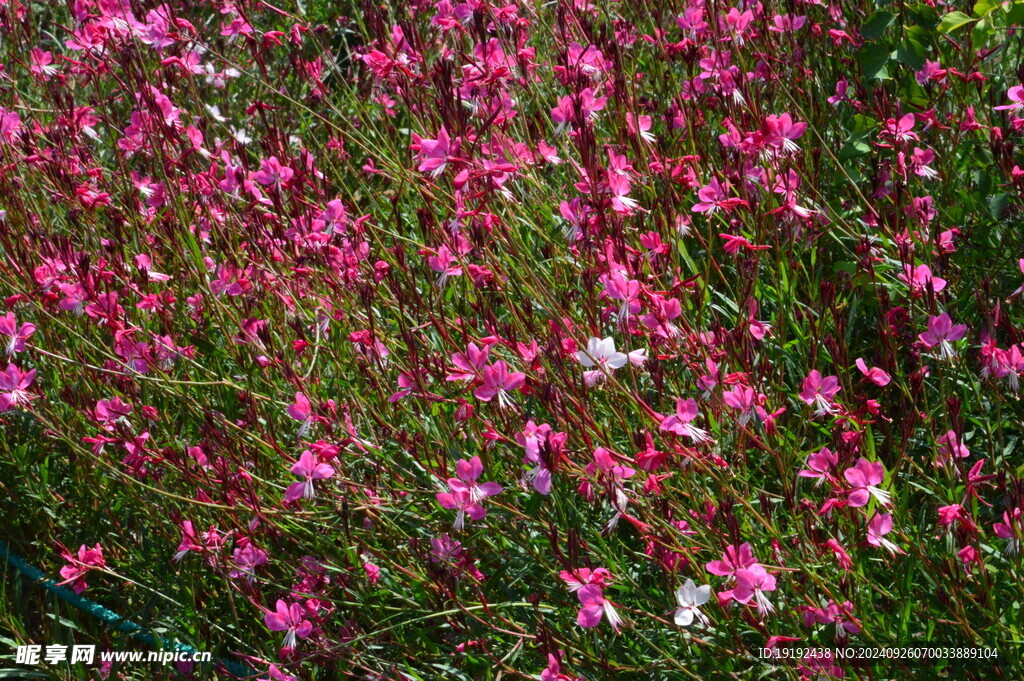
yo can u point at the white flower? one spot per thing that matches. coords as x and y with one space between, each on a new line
601 353
690 597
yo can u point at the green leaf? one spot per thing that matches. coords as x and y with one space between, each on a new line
875 25
953 21
1015 16
997 205
911 53
924 16
853 150
984 7
873 60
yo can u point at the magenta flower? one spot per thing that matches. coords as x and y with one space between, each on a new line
715 196
865 477
466 494
819 391
820 465
245 560
951 447
17 335
288 618
879 526
78 567
942 332
433 153
920 278
301 410
735 558
1011 528
743 399
781 131
595 607
14 385
1016 97
580 577
468 365
680 422
498 382
444 264
307 467
271 172
612 475
874 374
752 583
542 446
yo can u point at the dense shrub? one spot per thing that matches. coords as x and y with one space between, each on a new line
434 340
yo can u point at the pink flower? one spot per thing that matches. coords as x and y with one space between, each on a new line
715 196
680 422
17 334
498 382
14 385
920 278
1016 97
874 374
542 446
77 568
271 172
780 131
820 391
433 153
942 332
308 468
951 447
466 494
469 364
879 526
1011 528
302 410
735 558
753 582
865 477
901 130
553 672
245 560
743 399
288 618
444 264
580 577
594 607
820 465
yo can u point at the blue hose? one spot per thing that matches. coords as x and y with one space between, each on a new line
107 616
